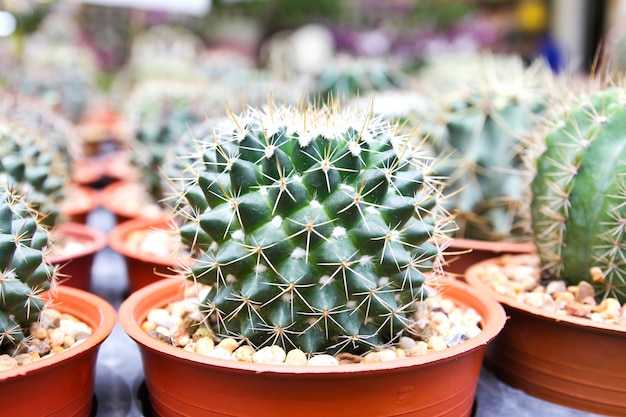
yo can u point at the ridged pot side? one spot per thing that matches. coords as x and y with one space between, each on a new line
62 385
558 358
441 383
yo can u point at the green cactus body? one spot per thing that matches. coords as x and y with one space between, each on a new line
24 274
313 228
479 121
34 167
578 211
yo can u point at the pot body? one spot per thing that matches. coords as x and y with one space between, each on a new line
76 266
182 383
142 268
566 360
62 385
463 253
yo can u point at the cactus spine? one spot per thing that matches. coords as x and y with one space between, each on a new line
579 189
24 273
313 228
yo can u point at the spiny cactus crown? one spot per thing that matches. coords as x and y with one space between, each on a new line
24 273
31 164
578 193
479 120
314 227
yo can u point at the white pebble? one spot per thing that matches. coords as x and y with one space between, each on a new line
322 360
264 355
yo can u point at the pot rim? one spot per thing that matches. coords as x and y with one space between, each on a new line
118 242
472 277
94 201
129 315
96 240
107 320
110 190
492 246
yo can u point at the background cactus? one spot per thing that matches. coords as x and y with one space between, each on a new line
31 163
24 271
478 121
312 227
578 193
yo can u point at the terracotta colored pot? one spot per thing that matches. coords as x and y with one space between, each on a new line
566 360
77 264
62 385
185 383
142 268
79 202
462 253
125 200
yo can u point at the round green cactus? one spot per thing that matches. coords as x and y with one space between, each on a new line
479 120
578 194
314 227
32 164
24 273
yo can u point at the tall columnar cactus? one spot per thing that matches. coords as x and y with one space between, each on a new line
578 193
313 226
24 273
32 164
483 109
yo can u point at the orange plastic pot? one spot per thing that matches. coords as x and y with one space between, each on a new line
463 253
566 360
75 267
142 268
124 200
182 383
62 385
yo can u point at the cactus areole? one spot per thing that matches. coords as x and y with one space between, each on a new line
579 191
24 274
313 228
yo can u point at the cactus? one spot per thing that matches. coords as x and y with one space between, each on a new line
348 77
312 227
578 193
24 271
479 121
30 163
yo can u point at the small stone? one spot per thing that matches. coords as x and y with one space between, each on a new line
406 343
57 349
243 353
436 343
40 333
388 355
204 345
56 337
585 291
348 358
419 349
161 318
264 355
7 362
322 360
49 318
400 353
23 359
68 342
279 353
219 353
372 357
229 344
42 348
148 325
555 287
457 334
296 357
163 334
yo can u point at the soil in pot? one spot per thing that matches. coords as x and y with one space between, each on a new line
62 384
151 250
439 383
559 344
74 250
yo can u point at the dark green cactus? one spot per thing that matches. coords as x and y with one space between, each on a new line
480 120
24 273
579 190
312 228
32 164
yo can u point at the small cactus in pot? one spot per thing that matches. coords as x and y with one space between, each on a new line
24 272
313 227
479 121
578 193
